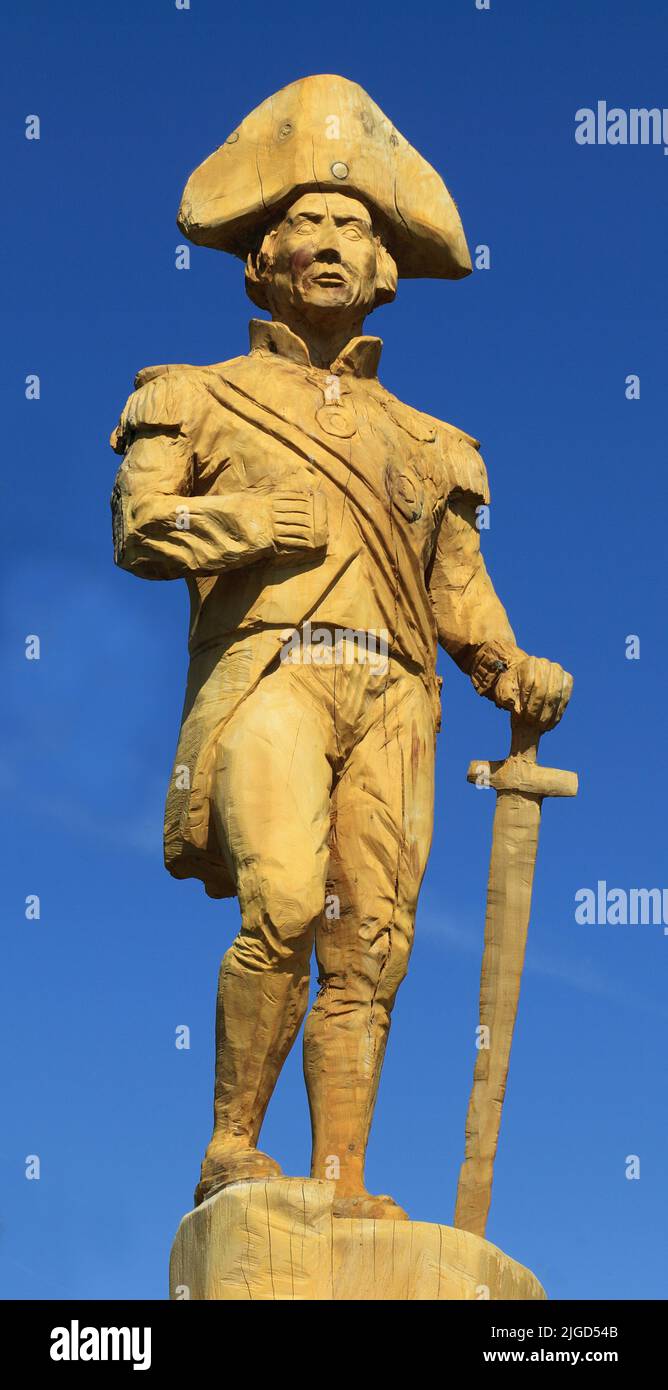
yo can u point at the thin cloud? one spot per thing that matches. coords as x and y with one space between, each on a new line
579 976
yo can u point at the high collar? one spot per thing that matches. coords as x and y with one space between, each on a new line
360 356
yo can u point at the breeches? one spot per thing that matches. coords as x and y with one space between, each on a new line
323 800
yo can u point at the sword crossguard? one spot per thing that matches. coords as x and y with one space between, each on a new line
520 772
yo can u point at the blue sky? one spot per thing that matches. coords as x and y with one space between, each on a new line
531 356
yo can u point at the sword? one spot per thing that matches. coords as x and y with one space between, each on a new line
520 784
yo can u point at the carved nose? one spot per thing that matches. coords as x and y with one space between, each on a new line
329 255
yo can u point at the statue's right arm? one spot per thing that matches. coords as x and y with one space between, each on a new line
163 530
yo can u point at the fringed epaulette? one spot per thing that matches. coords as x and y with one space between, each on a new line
466 469
161 400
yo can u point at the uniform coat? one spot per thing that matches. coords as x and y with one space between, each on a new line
208 449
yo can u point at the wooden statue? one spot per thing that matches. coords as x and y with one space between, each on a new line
328 536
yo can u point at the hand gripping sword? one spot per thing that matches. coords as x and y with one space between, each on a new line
520 785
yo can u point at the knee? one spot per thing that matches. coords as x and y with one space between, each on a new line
388 962
279 913
290 902
369 968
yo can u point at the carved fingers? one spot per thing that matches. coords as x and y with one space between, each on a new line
537 690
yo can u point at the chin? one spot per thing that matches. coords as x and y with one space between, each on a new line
327 299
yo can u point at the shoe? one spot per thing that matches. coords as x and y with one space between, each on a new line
364 1206
225 1165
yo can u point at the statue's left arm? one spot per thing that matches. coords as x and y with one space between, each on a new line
474 629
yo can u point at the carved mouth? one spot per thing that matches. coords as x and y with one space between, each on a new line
329 279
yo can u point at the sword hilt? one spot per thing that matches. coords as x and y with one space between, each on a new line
524 739
520 772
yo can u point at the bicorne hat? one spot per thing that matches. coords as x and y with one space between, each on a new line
325 133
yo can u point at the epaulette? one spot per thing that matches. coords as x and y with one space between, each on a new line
460 434
418 425
160 401
465 468
467 472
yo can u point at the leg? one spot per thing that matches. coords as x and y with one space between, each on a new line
383 812
271 803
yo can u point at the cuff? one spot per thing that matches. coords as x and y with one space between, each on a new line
492 659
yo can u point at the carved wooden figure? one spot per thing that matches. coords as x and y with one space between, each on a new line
327 534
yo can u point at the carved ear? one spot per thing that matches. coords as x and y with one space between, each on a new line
259 264
387 275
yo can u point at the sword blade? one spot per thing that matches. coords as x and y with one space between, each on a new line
511 870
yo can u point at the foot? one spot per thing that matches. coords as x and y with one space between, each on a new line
364 1206
224 1164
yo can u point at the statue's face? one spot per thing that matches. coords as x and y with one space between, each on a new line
324 256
